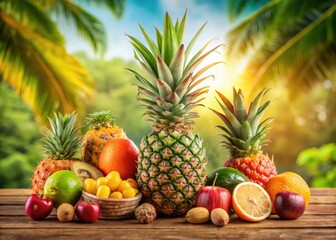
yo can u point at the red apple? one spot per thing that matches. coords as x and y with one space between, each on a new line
87 212
38 208
212 197
289 205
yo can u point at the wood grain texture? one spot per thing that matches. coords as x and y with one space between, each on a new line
318 222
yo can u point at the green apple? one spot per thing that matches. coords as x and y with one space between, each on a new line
63 187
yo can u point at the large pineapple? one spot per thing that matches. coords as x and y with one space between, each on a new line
172 161
59 145
102 128
244 136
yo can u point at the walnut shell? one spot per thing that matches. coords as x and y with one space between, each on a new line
145 213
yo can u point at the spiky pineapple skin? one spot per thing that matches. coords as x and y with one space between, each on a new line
259 168
171 169
95 139
44 169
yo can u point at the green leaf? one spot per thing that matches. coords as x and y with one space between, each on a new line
150 42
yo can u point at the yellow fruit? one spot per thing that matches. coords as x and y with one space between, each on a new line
101 181
251 202
113 174
124 184
116 194
89 186
129 192
132 182
114 182
103 191
289 181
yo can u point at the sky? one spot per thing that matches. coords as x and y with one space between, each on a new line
150 13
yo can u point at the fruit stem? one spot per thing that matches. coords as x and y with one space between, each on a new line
214 182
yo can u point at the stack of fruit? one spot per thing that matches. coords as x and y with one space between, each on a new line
170 166
60 176
251 187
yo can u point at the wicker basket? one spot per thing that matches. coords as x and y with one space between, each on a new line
114 208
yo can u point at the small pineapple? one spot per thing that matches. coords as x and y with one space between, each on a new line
59 145
102 129
244 135
172 161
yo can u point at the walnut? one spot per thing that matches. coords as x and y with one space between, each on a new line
145 213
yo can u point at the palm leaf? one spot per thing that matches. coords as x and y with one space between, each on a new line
46 77
85 23
28 13
302 46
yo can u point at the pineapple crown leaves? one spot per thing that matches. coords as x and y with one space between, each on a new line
244 132
61 141
97 120
168 86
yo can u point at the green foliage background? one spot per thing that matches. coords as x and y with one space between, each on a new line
305 123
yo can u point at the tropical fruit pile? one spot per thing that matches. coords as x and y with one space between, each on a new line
169 167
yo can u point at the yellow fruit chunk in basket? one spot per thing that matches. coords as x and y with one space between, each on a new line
116 194
114 182
124 184
103 191
129 192
89 186
101 181
132 182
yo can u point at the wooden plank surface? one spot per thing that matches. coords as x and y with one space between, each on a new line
318 222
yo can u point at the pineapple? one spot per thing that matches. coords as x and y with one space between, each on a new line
59 145
172 161
102 129
244 136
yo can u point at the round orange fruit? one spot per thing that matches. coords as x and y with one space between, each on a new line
251 202
289 181
121 155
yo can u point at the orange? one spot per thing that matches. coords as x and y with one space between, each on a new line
251 202
289 181
121 155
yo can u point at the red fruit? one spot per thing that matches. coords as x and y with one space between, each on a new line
212 197
38 208
289 205
121 155
87 212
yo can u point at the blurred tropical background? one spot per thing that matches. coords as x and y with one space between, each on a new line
66 55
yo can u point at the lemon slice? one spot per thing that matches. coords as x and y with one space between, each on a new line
251 202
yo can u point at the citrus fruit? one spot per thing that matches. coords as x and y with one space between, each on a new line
103 191
251 202
90 186
116 194
119 154
63 187
289 181
227 178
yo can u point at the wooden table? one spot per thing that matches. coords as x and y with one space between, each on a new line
318 222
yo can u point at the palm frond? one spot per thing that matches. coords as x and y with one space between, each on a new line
291 49
85 23
295 45
237 7
31 15
40 71
116 7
